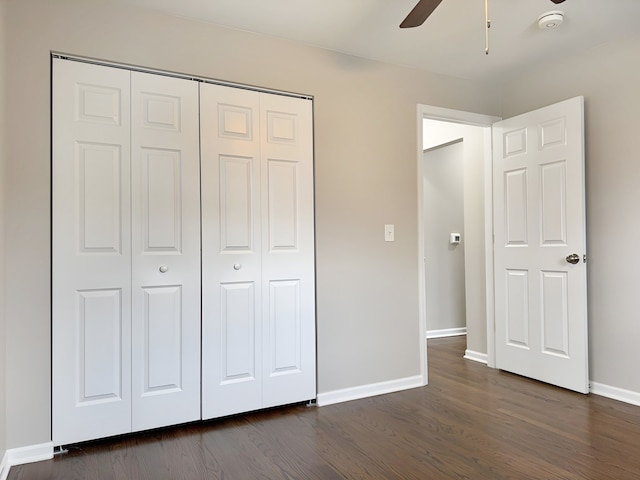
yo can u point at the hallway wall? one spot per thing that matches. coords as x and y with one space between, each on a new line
443 172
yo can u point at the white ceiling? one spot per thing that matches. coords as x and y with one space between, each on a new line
450 42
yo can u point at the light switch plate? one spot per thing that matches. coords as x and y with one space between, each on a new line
389 233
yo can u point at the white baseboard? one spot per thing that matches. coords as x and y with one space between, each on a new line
22 455
364 391
615 393
476 356
4 467
446 332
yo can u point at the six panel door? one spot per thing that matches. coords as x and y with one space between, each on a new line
539 218
126 262
258 251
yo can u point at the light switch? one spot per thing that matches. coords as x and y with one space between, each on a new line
389 233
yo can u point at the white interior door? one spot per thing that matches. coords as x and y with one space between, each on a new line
126 251
288 278
231 253
539 222
165 205
91 252
258 251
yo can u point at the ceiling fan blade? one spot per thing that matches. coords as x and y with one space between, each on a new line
420 13
557 1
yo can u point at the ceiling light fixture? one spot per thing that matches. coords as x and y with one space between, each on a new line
551 19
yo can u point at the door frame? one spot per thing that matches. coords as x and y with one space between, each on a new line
465 118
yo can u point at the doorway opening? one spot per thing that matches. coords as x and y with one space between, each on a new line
461 301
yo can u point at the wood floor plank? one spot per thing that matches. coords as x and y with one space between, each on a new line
470 422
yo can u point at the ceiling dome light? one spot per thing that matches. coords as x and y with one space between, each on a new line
550 20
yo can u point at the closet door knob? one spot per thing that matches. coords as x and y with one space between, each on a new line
237 266
163 269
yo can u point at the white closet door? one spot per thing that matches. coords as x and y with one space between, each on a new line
288 279
258 251
91 252
165 181
231 253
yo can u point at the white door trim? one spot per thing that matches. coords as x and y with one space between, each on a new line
465 118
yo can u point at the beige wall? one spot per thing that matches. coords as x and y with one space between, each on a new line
609 79
366 166
3 157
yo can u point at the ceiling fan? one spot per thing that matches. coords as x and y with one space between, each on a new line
424 8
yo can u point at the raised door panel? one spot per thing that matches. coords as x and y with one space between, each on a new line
515 208
165 251
99 346
232 315
236 381
555 313
91 252
517 299
285 327
236 209
553 204
283 205
237 349
99 198
163 348
288 278
161 192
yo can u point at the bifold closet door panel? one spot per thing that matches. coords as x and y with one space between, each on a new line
91 252
288 259
165 206
231 251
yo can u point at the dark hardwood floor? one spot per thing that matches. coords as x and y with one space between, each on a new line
471 422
